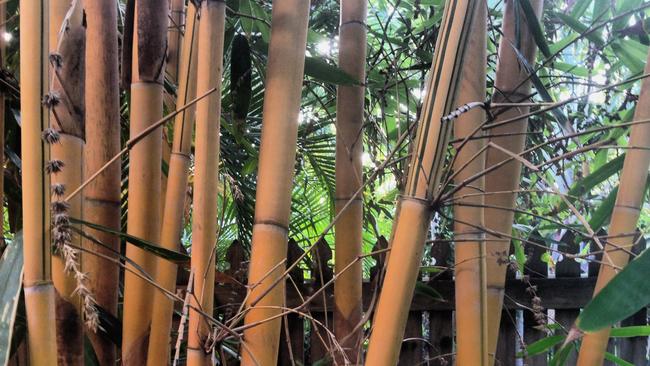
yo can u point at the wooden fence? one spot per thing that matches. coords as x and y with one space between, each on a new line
429 336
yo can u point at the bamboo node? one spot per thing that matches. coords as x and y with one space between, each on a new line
51 99
56 60
50 136
54 166
58 189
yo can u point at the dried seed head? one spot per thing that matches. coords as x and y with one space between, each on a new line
58 189
61 220
56 60
50 136
54 166
60 207
51 99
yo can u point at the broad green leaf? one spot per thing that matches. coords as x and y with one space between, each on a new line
541 346
580 28
601 216
560 356
321 70
140 243
628 57
601 174
579 8
622 7
423 289
623 296
535 27
11 272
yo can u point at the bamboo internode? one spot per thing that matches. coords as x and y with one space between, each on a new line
625 216
206 178
143 221
511 86
173 212
275 174
349 173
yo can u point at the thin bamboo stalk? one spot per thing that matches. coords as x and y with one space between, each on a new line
415 205
275 174
101 199
469 248
173 213
3 56
349 173
206 177
625 216
143 221
67 118
37 280
510 86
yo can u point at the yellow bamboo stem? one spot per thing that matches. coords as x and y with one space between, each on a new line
37 282
143 221
349 173
509 87
414 207
67 117
275 174
469 249
101 199
625 216
173 213
206 177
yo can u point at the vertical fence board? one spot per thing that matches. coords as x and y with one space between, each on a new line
441 331
320 343
535 268
291 336
568 268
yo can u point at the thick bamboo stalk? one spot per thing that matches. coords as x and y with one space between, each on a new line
275 174
37 280
143 221
206 176
101 199
625 216
173 213
415 207
469 248
349 173
67 117
509 87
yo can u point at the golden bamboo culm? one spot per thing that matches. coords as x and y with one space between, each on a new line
469 244
143 219
284 78
415 205
67 37
37 280
349 178
625 216
511 86
101 198
173 212
206 177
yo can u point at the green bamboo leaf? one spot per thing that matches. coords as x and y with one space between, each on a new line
623 296
140 243
579 8
423 289
541 346
580 28
601 174
561 356
11 272
535 27
601 216
617 360
631 331
321 70
90 357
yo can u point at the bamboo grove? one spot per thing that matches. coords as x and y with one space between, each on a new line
177 175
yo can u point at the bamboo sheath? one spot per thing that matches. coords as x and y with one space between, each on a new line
206 177
275 175
143 219
627 209
469 249
174 208
411 225
509 87
37 282
349 173
101 198
67 117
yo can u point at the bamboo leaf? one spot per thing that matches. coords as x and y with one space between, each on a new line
11 272
140 243
617 360
601 174
561 356
541 346
321 70
535 27
631 331
623 296
580 28
423 289
90 357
